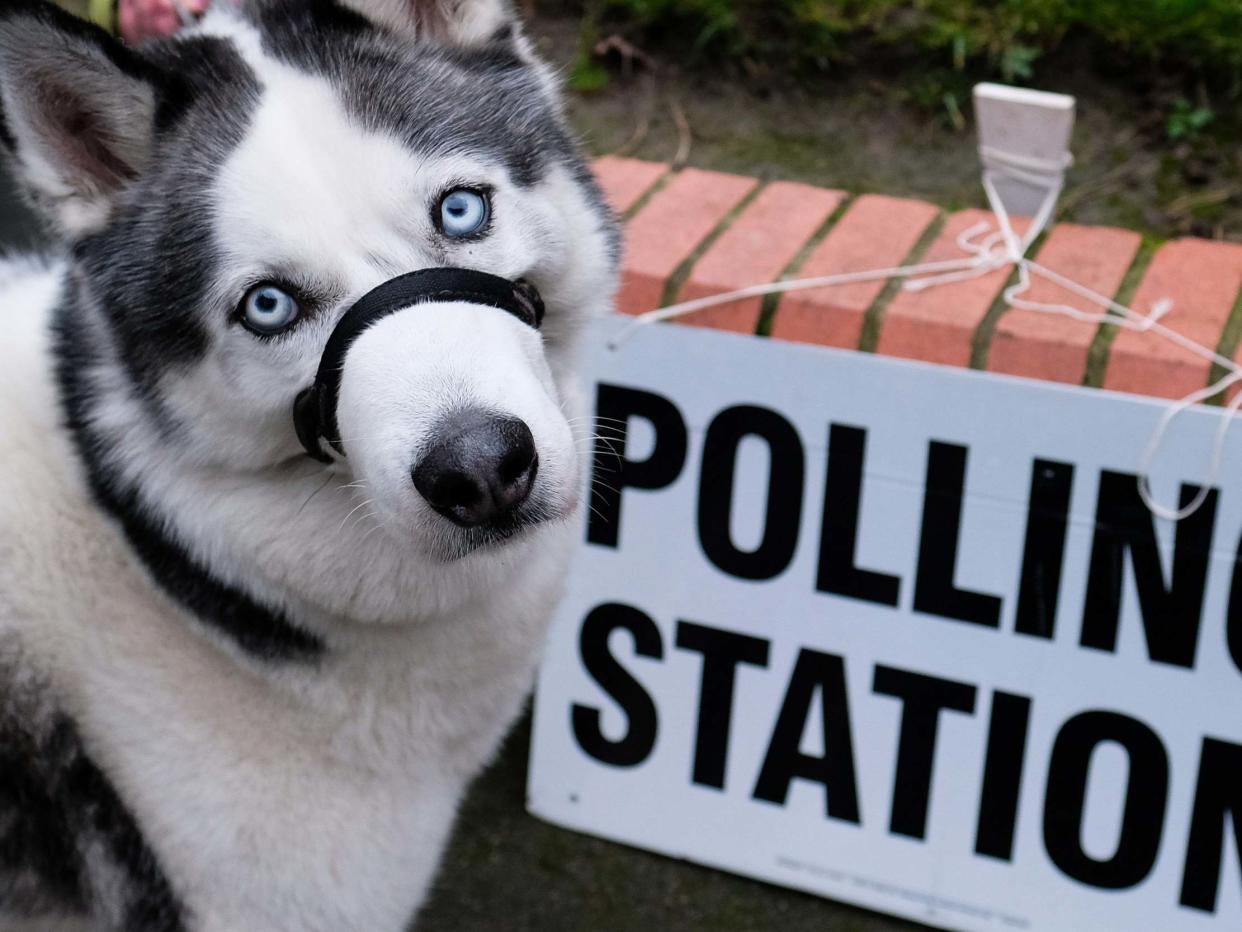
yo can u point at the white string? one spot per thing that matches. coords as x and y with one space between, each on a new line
759 291
1005 248
1037 172
1218 449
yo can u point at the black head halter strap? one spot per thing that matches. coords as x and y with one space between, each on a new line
314 412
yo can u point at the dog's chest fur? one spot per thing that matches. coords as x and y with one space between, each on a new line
242 690
314 798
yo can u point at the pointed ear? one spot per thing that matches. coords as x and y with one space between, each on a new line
468 23
76 113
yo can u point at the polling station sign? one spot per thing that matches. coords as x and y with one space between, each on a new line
903 636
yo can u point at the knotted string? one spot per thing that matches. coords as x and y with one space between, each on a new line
1003 248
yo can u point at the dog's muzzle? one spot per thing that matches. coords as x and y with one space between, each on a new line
314 411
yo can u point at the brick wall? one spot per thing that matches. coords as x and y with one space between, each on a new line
694 233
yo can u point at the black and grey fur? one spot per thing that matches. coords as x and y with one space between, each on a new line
227 702
68 845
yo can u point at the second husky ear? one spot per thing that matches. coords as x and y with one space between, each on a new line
457 22
76 111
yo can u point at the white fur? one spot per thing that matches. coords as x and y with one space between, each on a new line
287 799
275 802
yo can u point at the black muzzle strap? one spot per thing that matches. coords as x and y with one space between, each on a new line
314 412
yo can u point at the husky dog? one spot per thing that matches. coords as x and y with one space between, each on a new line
242 688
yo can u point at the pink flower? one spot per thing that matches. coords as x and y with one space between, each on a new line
145 19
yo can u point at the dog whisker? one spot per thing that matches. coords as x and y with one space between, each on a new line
601 439
355 510
375 526
597 484
326 480
598 417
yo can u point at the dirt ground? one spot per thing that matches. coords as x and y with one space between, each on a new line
872 131
506 870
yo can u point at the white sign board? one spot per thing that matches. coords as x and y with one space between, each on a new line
902 636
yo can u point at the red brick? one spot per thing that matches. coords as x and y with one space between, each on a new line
668 229
756 248
1053 346
1202 278
625 181
939 323
876 232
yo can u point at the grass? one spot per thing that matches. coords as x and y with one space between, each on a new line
1008 39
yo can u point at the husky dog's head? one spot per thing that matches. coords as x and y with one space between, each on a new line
228 194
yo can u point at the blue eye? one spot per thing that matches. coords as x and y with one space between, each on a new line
463 212
267 309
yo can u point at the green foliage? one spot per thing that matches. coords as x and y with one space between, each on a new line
1187 121
1005 37
587 74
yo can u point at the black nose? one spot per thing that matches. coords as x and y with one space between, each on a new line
479 468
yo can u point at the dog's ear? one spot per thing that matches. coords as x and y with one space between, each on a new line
76 113
467 23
